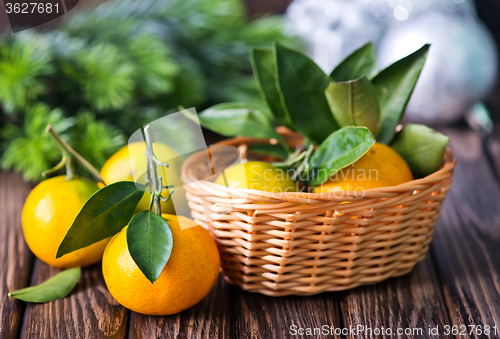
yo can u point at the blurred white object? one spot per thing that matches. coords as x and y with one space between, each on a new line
333 28
460 70
462 64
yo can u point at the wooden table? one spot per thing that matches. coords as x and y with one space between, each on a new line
457 284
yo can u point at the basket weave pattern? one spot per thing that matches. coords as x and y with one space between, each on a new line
305 243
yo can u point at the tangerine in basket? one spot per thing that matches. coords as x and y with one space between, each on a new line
381 166
49 211
188 276
257 175
119 168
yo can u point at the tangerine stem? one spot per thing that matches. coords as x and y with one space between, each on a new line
56 168
71 154
152 172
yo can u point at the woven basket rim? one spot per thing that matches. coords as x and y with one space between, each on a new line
448 165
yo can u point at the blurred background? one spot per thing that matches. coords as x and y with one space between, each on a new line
107 68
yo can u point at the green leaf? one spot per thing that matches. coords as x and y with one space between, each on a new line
276 151
355 103
103 215
362 61
54 288
394 86
342 148
232 119
422 148
150 242
302 86
264 71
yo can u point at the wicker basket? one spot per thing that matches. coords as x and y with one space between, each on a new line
305 243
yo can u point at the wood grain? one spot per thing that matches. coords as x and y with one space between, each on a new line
262 317
88 312
411 303
16 260
466 245
213 317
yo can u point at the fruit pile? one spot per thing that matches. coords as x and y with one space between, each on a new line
349 122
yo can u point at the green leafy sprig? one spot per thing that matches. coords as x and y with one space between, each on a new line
149 237
343 113
104 214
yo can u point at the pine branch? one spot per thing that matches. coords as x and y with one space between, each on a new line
124 64
30 150
21 64
95 140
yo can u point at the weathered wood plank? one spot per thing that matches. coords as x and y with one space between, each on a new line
466 240
403 307
88 312
16 260
262 317
212 317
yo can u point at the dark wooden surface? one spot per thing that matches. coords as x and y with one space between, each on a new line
457 284
16 260
88 312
